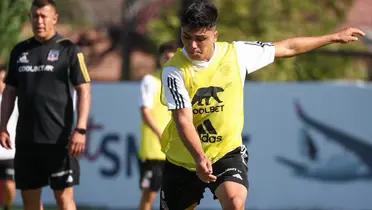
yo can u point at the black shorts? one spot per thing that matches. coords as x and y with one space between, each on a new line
181 188
42 165
6 169
151 172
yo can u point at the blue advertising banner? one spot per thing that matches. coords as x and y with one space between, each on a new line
310 147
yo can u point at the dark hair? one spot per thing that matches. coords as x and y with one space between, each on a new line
199 14
168 46
43 3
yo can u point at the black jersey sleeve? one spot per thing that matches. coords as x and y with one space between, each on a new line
78 70
11 77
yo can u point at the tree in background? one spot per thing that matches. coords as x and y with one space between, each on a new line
13 15
72 13
270 20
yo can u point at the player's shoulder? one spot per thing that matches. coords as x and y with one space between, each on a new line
148 78
253 47
22 45
66 42
171 70
224 44
252 43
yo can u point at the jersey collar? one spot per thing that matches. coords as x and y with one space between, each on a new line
54 39
201 64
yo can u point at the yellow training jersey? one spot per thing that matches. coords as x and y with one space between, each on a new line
150 145
217 105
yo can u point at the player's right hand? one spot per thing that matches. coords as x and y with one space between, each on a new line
5 140
348 35
204 170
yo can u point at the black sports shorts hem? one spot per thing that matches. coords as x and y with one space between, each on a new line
181 188
45 165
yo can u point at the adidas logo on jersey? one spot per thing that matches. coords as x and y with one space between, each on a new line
208 133
23 58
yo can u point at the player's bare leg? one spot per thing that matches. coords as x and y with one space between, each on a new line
9 193
32 199
147 199
65 199
192 207
232 195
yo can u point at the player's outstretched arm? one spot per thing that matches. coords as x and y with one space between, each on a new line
294 46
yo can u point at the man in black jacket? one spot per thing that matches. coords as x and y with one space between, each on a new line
43 73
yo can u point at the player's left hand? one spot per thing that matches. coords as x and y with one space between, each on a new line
77 144
348 35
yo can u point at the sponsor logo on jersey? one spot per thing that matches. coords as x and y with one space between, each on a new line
41 68
208 133
53 55
205 94
23 58
203 97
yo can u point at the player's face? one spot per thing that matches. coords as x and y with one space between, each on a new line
199 43
43 22
2 78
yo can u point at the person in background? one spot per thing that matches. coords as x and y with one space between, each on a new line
155 117
8 190
203 87
44 71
